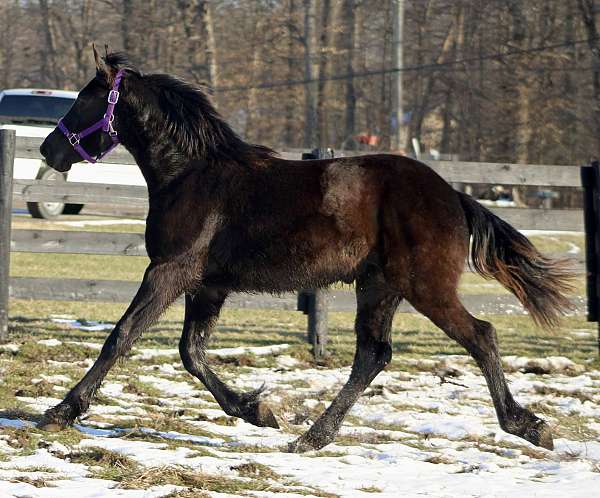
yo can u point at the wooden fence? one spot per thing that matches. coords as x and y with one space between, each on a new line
132 244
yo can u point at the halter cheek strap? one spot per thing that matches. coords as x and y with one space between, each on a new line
105 124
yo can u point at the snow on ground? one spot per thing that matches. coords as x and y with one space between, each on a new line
85 325
429 431
149 353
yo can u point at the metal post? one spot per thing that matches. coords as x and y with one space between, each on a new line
588 182
314 302
596 257
317 323
7 157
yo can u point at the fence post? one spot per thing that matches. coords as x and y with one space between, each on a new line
314 302
590 180
7 157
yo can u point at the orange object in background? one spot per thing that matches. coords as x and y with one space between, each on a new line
367 139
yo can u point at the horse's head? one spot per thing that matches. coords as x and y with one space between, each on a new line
86 132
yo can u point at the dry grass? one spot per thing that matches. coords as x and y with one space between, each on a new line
106 464
370 489
40 482
146 477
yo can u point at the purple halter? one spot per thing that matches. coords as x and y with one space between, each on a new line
105 124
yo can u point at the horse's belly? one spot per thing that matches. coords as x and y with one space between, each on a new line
286 266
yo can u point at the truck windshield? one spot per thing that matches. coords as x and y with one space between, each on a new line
31 108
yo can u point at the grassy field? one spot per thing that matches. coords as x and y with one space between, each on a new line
161 428
414 335
153 425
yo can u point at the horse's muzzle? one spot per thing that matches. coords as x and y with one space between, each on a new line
51 159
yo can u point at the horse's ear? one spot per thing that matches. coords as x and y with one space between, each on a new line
101 67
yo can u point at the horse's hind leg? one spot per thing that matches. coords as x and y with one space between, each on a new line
479 339
201 312
376 306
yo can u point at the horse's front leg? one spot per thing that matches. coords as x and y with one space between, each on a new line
201 312
162 284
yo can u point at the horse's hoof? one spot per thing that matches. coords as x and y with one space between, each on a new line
259 414
51 426
302 445
538 433
309 442
265 416
545 438
55 419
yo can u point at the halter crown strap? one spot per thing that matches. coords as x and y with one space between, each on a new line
105 124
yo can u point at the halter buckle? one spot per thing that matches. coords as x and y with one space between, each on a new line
73 139
113 96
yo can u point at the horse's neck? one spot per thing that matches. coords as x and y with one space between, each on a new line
156 154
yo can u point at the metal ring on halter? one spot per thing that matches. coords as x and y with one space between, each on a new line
113 96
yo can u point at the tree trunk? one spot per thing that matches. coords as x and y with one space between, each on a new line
347 45
125 25
588 11
191 13
310 118
211 45
50 69
290 117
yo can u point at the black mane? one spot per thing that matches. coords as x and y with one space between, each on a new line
118 60
186 114
195 124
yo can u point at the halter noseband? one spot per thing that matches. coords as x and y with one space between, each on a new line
105 124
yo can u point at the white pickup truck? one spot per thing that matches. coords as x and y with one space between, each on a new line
34 113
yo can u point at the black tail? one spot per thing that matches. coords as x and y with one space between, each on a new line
501 252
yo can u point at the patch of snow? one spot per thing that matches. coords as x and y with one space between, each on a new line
150 353
43 458
10 348
52 379
256 350
551 364
287 361
169 387
167 368
89 326
39 403
16 423
96 346
112 389
49 342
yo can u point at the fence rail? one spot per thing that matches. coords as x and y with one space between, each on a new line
132 244
80 193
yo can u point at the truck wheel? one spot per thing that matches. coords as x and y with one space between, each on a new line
47 210
72 208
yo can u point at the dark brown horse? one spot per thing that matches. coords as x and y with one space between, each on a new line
229 216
